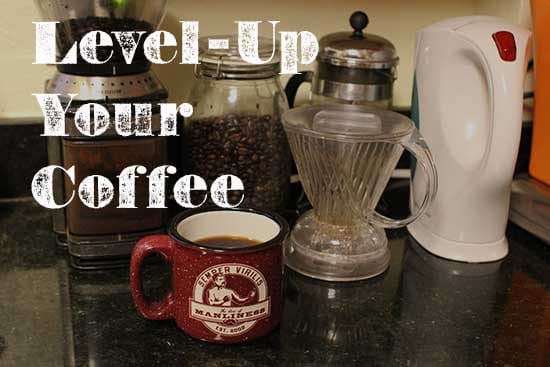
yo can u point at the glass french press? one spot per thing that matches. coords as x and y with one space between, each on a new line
352 68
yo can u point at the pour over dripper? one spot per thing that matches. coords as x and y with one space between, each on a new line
345 156
78 17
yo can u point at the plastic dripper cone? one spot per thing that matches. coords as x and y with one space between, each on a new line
344 160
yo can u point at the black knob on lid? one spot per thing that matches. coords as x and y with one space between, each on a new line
359 20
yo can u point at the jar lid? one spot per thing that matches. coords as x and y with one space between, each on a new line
356 49
219 58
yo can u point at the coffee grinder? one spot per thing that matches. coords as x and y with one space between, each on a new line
99 238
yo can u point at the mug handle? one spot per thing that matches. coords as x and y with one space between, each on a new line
157 244
419 149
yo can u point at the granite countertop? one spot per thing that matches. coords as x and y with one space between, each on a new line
424 311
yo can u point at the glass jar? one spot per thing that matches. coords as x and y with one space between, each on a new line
236 124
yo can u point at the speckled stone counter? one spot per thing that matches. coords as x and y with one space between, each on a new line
424 311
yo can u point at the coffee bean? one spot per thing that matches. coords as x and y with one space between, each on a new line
252 147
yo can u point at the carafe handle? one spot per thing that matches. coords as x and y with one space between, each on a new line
294 83
419 149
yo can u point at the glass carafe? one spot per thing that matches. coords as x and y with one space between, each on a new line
353 67
345 156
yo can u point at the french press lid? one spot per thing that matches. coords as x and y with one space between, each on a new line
357 49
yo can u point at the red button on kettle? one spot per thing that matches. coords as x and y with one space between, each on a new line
506 45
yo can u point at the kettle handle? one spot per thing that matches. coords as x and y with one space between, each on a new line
294 83
417 146
505 76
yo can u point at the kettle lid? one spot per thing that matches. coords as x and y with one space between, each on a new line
357 49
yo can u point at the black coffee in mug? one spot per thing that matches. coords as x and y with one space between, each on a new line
228 241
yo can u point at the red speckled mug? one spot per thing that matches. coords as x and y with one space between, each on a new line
246 280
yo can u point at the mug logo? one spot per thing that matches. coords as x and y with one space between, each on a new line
229 299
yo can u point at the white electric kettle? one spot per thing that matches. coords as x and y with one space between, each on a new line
467 103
